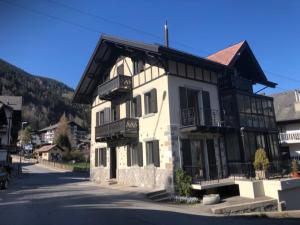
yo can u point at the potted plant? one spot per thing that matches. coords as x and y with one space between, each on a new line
261 164
294 168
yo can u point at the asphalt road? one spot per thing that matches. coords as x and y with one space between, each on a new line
47 197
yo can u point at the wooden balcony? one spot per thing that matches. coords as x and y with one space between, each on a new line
126 128
115 87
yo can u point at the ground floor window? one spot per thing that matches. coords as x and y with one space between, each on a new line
135 154
100 157
152 153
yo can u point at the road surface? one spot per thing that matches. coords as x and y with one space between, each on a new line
48 197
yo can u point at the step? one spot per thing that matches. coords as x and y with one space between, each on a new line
153 193
163 199
159 195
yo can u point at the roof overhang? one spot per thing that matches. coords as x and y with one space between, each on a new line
109 49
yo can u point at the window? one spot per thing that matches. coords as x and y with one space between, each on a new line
152 153
150 101
115 112
135 155
138 66
133 107
120 69
100 157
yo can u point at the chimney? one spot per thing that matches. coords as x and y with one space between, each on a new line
166 35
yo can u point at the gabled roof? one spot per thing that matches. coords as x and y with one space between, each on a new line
108 51
226 55
241 56
47 148
54 126
284 106
13 101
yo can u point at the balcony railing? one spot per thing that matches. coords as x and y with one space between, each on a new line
200 117
291 137
113 88
3 129
120 129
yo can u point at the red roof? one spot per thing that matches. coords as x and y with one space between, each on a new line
226 55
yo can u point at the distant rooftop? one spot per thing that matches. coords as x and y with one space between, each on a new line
284 105
54 126
13 101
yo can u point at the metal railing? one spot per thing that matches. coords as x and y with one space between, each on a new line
127 127
200 117
201 176
120 83
289 137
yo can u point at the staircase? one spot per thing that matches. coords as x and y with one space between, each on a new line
159 196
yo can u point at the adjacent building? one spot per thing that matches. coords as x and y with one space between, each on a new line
14 102
6 113
287 110
77 134
156 109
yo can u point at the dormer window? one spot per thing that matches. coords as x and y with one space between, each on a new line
138 66
120 69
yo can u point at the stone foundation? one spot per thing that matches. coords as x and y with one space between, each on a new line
99 175
148 177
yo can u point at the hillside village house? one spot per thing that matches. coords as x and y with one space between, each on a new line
77 134
49 153
287 111
155 109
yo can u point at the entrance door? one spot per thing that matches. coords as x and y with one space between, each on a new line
113 163
193 158
213 170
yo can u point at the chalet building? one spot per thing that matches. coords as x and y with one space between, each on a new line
156 109
287 111
77 134
15 102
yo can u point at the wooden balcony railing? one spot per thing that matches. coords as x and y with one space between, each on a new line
120 129
115 87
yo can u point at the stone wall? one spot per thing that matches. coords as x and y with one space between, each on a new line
149 177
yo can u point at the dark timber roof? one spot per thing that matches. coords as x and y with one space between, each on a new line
109 49
241 55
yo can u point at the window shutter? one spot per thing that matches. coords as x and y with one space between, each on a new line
128 109
97 119
120 69
128 156
140 154
156 153
104 156
138 106
96 157
106 115
206 108
153 101
117 112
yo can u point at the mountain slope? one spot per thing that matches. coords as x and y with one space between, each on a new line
44 99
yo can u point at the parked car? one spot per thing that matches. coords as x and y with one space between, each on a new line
3 180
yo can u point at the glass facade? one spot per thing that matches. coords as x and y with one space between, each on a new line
256 112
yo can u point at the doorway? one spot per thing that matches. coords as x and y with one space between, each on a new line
113 163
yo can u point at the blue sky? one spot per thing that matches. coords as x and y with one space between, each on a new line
55 38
